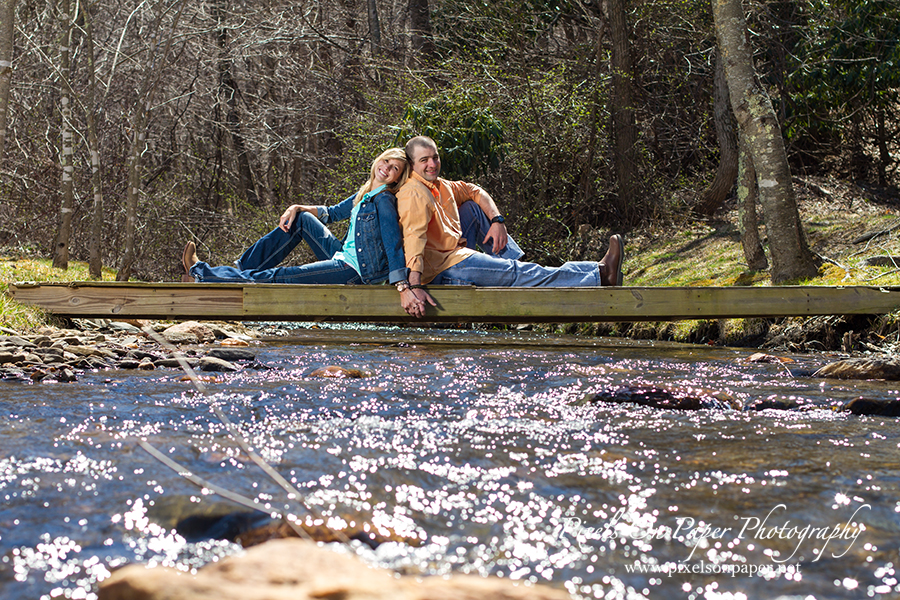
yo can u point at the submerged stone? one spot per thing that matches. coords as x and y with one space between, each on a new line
777 404
668 397
872 406
862 368
254 528
336 371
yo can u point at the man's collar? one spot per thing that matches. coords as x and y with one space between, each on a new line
431 185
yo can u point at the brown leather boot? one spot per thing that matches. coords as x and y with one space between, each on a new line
611 264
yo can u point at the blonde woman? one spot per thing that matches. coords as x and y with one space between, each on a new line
372 251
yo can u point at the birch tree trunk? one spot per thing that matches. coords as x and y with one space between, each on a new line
67 207
789 253
748 221
7 17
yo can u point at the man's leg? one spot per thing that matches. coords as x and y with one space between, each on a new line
484 270
274 247
475 225
611 263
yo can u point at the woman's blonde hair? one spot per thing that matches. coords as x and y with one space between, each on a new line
389 154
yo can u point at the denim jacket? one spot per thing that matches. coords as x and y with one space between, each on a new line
379 245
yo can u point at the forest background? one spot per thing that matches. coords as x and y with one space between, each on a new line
133 126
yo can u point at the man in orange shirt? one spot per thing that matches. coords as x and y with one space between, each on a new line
436 252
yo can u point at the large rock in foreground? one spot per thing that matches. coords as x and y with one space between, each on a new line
293 569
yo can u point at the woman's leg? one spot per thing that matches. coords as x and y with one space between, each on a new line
326 271
274 247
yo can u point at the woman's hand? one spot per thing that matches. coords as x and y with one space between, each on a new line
415 301
287 219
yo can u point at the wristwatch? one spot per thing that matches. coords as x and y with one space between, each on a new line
498 219
402 286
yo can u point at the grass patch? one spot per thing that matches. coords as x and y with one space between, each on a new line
20 317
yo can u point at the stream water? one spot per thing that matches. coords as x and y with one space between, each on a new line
480 446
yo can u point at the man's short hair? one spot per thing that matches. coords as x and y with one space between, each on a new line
420 141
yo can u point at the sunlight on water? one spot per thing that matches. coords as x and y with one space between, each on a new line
524 463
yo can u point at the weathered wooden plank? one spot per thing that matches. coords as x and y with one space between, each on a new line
133 300
455 304
469 304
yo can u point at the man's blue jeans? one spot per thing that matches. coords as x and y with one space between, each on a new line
259 263
475 225
489 271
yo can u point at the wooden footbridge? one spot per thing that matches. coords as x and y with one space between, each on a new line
380 303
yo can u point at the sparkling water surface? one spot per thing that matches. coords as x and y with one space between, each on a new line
484 452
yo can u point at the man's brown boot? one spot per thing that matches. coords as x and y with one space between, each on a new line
611 264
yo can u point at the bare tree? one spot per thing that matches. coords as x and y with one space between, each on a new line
95 263
7 18
374 27
228 94
622 109
67 150
143 105
420 27
587 174
726 133
790 254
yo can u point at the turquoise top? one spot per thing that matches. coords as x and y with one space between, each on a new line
348 252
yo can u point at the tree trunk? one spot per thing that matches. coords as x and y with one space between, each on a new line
139 139
228 92
67 207
791 257
420 28
884 153
95 263
622 110
374 27
715 195
7 17
587 174
748 193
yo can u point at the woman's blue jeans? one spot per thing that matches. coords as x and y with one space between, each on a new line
259 263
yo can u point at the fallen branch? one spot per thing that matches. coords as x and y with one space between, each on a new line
868 236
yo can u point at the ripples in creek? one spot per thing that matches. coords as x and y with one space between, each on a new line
494 460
